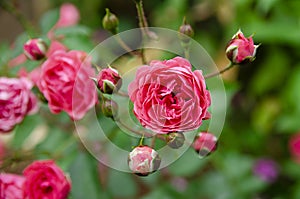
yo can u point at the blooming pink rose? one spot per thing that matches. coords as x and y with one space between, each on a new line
65 82
241 49
143 160
45 180
68 15
11 186
16 102
169 97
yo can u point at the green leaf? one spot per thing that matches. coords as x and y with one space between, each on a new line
121 184
48 20
188 164
73 30
84 176
78 42
24 130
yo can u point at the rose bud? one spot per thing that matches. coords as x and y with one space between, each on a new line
35 49
109 108
175 139
185 32
205 143
241 49
143 160
110 22
108 80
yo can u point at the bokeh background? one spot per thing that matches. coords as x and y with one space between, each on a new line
253 159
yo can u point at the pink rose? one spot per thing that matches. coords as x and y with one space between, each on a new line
205 143
55 46
143 160
241 49
45 180
11 186
68 15
65 82
16 102
169 97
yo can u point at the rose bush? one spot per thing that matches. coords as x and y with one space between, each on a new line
11 186
65 82
16 101
44 179
168 96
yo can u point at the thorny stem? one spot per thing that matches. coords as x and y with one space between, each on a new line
229 66
26 24
143 25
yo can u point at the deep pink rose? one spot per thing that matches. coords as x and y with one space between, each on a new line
66 84
241 49
68 15
16 101
55 46
11 186
143 160
45 180
205 143
169 97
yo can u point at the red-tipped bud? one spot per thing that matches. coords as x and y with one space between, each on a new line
110 22
205 143
185 32
35 49
109 80
175 139
241 49
143 160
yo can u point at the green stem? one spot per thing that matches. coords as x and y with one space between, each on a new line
25 23
143 25
124 45
229 66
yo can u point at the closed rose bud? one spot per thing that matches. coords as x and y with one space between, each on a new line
109 108
110 22
108 80
185 32
205 143
35 49
143 160
175 139
241 49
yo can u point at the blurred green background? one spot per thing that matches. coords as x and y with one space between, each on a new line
263 100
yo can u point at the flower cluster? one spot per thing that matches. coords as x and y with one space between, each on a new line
41 179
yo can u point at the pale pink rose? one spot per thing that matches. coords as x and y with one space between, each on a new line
11 186
241 49
169 97
45 180
68 15
17 101
65 82
143 160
